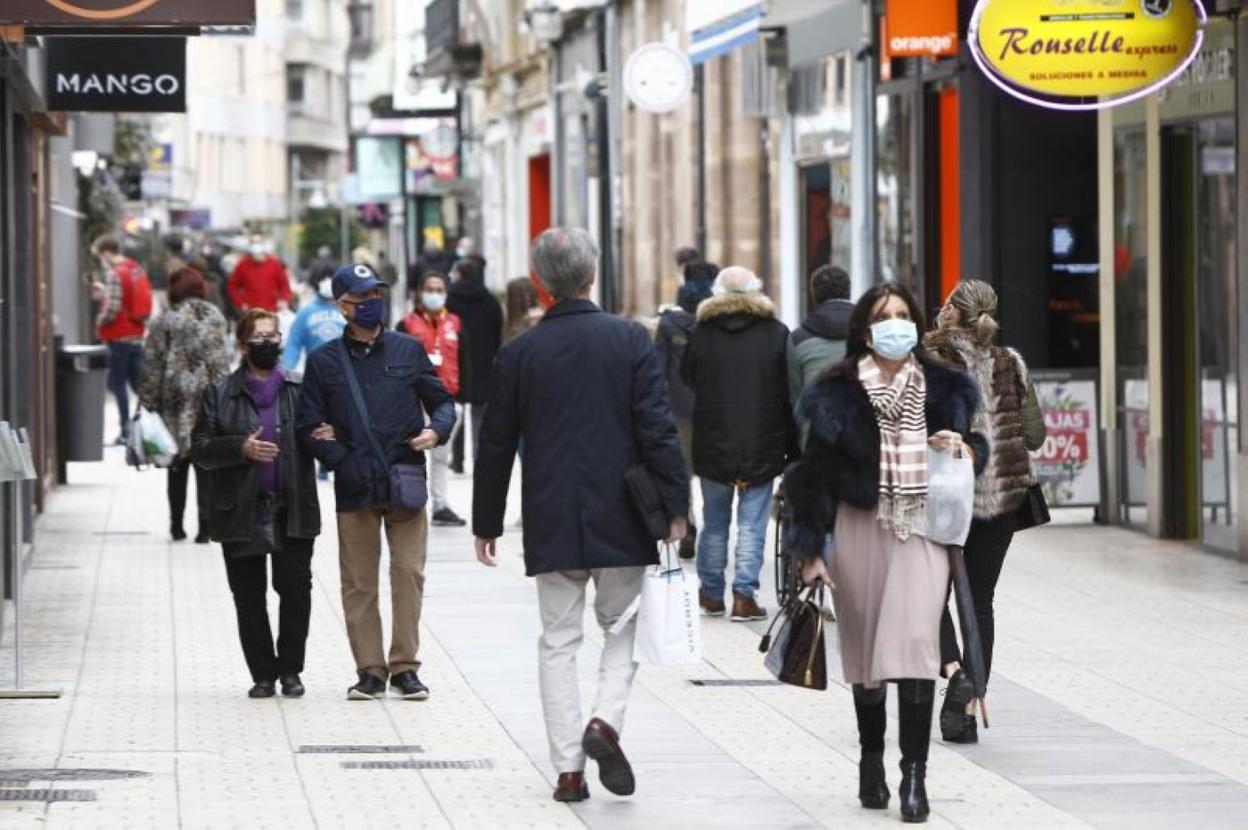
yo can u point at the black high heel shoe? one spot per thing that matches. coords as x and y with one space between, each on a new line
872 782
956 726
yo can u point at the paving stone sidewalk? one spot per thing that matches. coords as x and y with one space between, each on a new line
1117 702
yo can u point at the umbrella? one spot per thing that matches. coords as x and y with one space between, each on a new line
972 648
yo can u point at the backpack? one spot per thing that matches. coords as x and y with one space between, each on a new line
136 292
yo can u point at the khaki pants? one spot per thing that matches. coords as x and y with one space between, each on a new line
359 559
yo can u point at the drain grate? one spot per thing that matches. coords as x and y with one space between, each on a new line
47 796
474 763
12 785
122 533
70 774
737 683
360 749
55 567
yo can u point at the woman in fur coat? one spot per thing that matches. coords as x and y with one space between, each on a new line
1011 420
864 477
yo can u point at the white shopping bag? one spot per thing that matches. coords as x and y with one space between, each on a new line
950 497
150 441
669 624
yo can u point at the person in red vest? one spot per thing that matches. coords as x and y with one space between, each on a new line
125 298
441 333
259 280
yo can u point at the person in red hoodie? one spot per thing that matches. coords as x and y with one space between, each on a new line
441 333
259 280
125 298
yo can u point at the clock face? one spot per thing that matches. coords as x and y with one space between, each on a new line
658 77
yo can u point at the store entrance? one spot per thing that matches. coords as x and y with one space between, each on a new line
1200 309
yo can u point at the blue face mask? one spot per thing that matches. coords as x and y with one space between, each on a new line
894 339
368 314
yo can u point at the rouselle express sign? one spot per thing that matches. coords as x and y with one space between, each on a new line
116 74
128 12
1084 54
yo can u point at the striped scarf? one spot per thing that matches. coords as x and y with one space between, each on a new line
900 407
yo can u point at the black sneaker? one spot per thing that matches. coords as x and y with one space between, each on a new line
262 689
446 517
408 686
202 538
370 687
292 686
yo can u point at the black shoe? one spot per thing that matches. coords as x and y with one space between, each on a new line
370 687
688 548
953 717
177 532
292 686
571 788
601 743
121 440
262 689
446 517
914 715
408 685
202 538
872 782
457 469
913 792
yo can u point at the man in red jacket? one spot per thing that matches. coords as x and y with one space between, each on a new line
259 280
125 304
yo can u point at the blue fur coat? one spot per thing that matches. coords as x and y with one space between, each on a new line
842 458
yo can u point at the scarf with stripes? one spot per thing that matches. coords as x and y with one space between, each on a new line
901 409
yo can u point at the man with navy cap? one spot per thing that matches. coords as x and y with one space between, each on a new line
397 385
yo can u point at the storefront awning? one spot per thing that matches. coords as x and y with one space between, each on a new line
813 29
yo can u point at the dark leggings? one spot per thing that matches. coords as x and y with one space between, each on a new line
292 579
179 473
985 554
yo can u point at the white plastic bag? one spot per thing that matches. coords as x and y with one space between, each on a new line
669 624
950 497
150 441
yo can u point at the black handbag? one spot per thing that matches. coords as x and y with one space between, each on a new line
797 654
647 500
1034 511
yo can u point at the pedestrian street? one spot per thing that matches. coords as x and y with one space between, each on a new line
1119 700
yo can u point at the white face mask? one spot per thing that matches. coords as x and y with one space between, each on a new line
894 339
325 288
433 301
256 250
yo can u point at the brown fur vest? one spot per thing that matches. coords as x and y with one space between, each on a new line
1002 379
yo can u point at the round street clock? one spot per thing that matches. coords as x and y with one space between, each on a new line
658 77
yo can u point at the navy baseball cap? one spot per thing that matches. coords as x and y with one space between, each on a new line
355 279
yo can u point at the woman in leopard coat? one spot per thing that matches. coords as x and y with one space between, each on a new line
1009 417
184 353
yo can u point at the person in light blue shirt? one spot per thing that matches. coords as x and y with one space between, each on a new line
317 322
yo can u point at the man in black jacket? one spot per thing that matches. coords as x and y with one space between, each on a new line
397 382
482 318
743 432
585 392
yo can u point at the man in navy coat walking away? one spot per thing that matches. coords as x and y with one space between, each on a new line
585 393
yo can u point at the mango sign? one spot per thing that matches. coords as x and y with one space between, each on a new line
1084 54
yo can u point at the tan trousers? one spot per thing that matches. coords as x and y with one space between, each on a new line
359 559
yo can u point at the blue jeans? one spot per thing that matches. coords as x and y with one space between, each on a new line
125 363
753 511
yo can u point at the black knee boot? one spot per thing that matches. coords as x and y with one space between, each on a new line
872 718
914 710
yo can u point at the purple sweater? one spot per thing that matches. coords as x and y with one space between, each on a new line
265 395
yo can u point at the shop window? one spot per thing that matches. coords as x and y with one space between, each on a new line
895 191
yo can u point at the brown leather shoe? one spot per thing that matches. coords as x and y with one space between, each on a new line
745 609
711 606
571 787
601 743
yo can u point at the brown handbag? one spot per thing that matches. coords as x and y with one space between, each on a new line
797 655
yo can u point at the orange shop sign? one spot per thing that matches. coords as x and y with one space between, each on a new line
921 28
1084 54
105 13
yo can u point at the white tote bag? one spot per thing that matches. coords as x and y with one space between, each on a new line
150 440
950 497
669 624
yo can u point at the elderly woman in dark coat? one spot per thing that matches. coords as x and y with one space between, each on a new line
872 420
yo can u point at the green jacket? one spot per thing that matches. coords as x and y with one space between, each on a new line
816 345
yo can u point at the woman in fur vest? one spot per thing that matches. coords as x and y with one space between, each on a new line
1011 420
864 477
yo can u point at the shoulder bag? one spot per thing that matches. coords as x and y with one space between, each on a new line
408 489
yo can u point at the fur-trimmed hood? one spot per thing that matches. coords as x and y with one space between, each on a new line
735 304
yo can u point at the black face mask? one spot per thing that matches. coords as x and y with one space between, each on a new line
264 355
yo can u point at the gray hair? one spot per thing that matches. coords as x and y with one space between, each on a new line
565 260
737 280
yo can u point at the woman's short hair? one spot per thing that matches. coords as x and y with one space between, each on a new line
247 323
186 282
976 303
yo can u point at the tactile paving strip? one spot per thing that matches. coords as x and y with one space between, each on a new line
475 763
47 795
360 749
734 683
7 775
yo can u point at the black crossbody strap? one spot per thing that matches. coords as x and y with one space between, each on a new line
361 408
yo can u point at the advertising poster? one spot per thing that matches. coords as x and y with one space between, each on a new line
1068 465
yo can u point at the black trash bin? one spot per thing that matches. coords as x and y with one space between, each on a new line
81 375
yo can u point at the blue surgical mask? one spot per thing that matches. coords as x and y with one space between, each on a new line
894 339
368 314
433 301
